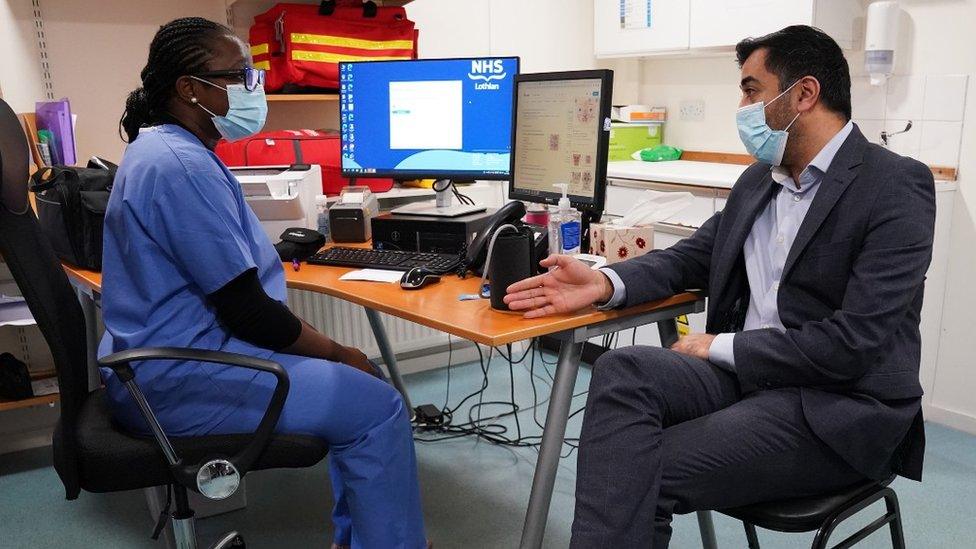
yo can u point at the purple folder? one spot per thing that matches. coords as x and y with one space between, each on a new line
56 117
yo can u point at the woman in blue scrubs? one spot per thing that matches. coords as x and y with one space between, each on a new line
187 264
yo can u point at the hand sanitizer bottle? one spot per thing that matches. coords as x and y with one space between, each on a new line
564 226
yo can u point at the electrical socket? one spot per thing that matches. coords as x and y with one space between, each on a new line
692 110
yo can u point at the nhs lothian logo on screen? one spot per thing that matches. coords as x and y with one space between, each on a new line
487 70
428 117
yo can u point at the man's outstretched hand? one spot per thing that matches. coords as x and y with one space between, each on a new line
571 286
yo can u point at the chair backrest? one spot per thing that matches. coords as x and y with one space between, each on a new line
46 289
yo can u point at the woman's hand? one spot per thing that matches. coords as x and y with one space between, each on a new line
316 345
355 358
571 286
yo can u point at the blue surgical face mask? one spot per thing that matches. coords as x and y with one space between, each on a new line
246 113
764 143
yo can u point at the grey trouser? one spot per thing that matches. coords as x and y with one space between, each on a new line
666 433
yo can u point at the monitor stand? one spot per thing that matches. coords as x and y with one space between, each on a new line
442 206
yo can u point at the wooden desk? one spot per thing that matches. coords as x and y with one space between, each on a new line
437 307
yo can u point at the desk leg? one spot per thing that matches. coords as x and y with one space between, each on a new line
383 342
552 442
668 330
91 336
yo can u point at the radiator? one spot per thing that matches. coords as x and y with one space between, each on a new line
346 323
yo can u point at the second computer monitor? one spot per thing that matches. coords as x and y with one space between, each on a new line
430 118
562 132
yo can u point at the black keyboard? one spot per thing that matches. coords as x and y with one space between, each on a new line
391 260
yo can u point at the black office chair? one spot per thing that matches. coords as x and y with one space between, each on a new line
90 452
823 514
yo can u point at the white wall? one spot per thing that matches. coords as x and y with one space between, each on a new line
713 80
548 35
920 91
942 42
934 59
21 83
96 56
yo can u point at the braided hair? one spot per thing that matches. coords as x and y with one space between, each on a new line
182 46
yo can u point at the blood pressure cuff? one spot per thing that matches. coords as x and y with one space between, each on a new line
299 243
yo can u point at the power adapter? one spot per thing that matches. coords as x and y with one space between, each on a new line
428 415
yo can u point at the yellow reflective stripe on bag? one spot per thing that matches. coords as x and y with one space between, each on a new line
328 57
266 65
259 49
346 42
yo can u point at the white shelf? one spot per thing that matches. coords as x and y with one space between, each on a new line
301 97
685 172
14 312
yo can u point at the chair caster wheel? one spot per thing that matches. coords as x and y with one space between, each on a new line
230 540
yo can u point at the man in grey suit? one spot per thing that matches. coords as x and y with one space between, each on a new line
807 378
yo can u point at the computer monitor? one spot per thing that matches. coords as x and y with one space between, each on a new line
562 132
429 118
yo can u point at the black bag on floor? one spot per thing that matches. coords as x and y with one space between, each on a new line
71 209
15 382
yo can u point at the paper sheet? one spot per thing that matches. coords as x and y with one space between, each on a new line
14 312
635 14
373 275
45 386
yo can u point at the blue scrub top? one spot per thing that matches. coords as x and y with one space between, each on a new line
177 228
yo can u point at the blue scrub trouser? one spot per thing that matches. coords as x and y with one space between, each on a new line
372 462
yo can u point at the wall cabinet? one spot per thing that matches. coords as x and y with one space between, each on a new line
665 30
718 23
703 26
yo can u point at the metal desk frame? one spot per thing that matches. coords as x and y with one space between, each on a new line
570 349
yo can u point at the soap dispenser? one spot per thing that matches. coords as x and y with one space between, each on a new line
564 226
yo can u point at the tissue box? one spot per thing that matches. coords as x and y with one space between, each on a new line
620 243
626 139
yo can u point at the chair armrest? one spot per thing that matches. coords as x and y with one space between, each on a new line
243 461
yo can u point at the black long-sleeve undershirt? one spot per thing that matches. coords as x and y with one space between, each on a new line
252 315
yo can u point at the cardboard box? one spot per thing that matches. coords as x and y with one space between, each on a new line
620 243
626 139
638 113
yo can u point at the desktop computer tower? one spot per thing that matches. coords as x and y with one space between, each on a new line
415 233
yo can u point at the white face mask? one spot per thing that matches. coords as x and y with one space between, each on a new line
762 142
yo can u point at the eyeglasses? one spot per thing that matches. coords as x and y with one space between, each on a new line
251 77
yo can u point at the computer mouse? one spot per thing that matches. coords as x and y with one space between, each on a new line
418 277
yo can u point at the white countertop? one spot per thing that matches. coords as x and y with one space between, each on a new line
701 174
684 172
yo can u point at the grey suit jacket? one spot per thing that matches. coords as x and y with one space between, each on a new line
850 299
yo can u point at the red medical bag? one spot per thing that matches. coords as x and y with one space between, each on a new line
296 147
302 44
